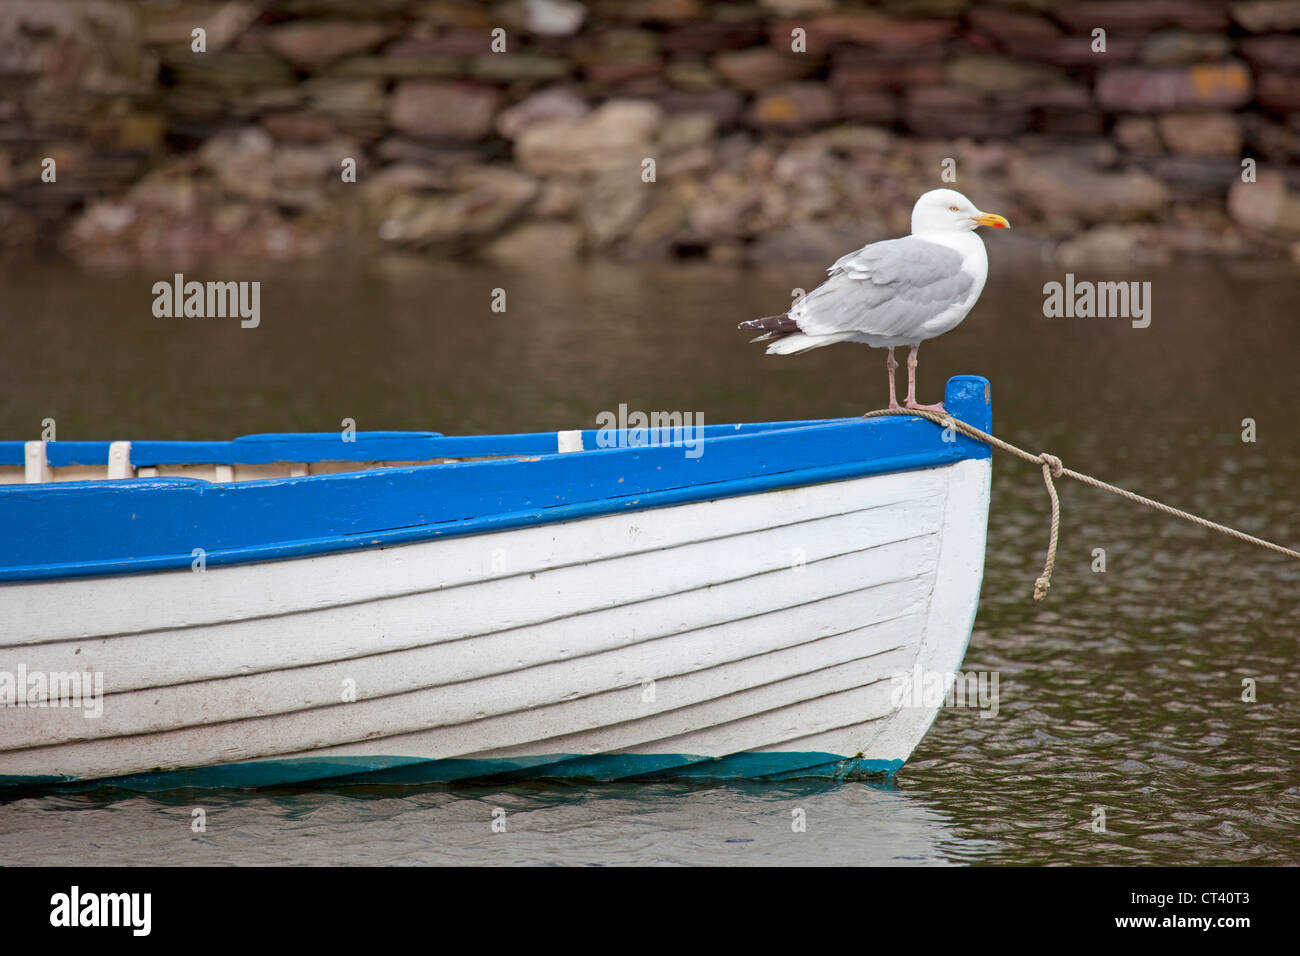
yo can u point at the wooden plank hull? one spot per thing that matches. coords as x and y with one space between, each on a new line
754 635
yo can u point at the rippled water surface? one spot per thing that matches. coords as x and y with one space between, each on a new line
1123 691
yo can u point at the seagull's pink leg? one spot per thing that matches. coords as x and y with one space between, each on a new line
911 401
890 364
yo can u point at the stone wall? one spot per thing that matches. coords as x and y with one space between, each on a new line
755 131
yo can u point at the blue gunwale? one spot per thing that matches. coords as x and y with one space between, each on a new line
85 528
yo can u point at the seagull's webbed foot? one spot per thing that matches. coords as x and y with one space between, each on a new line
937 407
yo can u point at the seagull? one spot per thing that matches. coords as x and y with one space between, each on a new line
895 292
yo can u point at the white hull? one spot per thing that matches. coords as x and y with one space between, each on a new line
763 623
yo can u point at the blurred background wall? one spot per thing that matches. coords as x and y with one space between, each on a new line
651 129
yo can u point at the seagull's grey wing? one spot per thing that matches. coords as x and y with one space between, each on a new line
889 288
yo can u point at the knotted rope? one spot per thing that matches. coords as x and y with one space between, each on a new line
1052 468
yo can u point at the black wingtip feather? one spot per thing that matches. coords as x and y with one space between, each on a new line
772 323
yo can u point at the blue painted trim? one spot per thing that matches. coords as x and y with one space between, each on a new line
72 529
413 770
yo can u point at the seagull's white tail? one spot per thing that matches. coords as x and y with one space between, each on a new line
799 342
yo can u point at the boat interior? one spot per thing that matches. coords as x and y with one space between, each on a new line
297 455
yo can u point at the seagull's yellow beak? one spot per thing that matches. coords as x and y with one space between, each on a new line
991 219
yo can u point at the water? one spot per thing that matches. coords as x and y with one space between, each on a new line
1123 691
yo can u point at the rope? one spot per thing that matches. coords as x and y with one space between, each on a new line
1052 468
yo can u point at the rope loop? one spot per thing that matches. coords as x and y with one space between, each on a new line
1053 468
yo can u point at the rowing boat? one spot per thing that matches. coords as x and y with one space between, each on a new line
395 607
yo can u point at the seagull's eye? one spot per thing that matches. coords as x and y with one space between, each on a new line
953 209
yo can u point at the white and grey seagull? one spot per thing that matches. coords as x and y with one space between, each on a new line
896 292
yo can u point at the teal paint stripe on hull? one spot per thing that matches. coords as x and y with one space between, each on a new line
783 766
600 768
235 776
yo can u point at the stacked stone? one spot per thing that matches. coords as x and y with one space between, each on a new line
646 129
75 94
